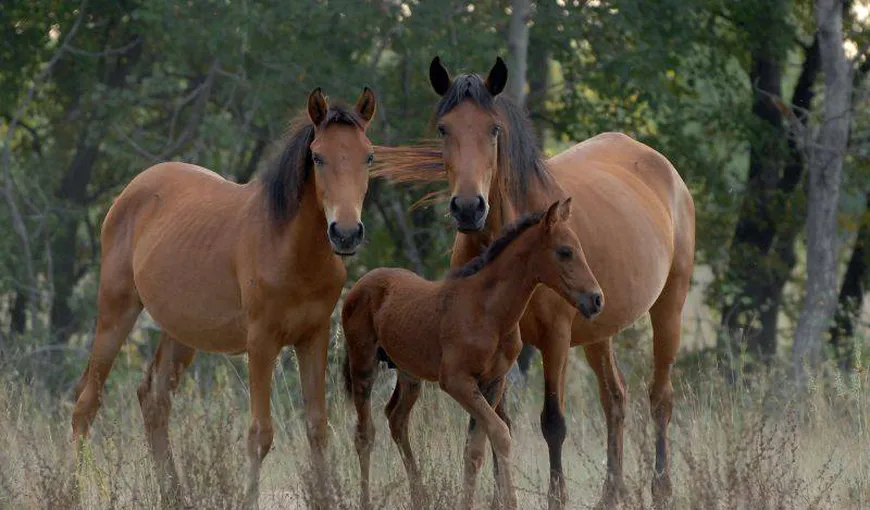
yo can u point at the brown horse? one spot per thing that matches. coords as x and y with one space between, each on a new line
460 332
636 221
231 268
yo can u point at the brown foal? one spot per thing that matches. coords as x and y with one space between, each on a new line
635 219
460 332
231 268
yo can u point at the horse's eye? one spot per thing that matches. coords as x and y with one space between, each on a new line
318 161
370 160
442 132
565 253
496 130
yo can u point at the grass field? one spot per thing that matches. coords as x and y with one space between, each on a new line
753 445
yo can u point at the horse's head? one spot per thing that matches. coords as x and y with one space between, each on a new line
341 155
561 264
470 127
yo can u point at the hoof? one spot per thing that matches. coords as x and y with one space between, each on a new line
662 491
557 498
612 495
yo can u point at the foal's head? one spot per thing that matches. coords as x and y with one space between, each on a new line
331 147
488 142
560 263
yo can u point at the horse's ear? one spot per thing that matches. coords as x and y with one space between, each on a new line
552 216
366 104
317 107
565 209
439 77
497 77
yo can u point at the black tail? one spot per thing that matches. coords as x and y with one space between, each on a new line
345 370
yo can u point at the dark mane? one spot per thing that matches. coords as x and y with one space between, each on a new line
285 177
508 235
519 159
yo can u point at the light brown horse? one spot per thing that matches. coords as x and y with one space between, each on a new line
635 218
231 268
460 332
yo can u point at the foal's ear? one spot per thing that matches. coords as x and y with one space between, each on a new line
497 77
565 209
439 77
366 104
317 107
558 212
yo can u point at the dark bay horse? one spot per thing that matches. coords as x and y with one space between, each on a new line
635 219
460 332
231 268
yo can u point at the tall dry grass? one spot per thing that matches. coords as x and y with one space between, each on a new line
753 445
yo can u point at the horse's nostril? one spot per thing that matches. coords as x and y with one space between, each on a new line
332 230
454 205
597 301
481 203
360 230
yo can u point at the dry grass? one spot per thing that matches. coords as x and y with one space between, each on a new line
752 446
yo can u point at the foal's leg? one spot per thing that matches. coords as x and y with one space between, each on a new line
464 388
398 413
611 391
155 400
666 318
362 366
261 362
312 372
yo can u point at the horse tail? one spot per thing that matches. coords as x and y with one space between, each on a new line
345 371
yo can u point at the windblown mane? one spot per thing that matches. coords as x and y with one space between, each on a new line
509 234
285 177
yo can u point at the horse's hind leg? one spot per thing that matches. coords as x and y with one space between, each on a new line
666 318
155 400
362 370
398 413
611 391
118 307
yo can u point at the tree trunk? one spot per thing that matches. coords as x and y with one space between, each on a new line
851 300
825 169
755 230
518 44
539 82
763 253
18 314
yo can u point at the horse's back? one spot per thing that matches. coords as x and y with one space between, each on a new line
399 308
635 219
175 228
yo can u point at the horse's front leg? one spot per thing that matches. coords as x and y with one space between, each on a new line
554 355
262 352
463 387
311 353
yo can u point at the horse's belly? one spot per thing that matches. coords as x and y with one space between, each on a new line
199 306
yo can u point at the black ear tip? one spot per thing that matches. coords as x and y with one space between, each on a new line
436 61
499 61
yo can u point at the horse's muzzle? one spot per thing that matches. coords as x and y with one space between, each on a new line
590 304
345 240
469 213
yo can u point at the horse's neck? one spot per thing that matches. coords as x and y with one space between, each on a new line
302 241
504 210
506 284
